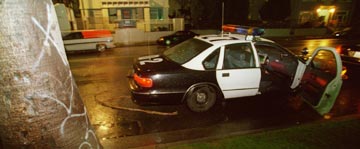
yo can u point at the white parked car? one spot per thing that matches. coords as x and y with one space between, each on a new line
99 40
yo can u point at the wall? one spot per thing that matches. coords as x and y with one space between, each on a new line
62 17
130 36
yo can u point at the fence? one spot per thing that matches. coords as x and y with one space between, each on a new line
148 26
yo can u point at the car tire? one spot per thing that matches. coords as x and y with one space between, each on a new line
167 42
101 47
201 98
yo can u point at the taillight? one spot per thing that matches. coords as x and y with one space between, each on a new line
338 49
143 82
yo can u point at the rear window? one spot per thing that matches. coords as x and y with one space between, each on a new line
186 50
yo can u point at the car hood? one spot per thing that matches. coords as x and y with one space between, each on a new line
154 63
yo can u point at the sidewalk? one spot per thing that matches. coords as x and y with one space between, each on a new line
336 133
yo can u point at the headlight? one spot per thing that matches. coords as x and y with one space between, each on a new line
161 39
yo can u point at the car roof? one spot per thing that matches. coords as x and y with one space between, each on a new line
221 39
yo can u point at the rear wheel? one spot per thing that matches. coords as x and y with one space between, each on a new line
201 99
101 47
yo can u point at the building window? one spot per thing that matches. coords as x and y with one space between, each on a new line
95 16
112 15
156 13
340 18
126 13
305 17
139 13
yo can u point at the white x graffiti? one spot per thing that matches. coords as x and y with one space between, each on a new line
51 29
46 46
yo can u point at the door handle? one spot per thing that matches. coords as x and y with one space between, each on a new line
225 74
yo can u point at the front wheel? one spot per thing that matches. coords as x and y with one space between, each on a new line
101 47
201 99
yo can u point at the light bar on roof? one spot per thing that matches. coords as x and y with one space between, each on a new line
245 30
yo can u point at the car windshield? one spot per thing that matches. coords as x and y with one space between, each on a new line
185 51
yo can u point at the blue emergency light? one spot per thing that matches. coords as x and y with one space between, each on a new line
244 30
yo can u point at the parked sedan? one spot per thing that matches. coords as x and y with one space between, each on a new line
99 40
350 54
347 33
176 38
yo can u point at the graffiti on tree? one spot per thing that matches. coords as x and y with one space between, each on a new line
50 32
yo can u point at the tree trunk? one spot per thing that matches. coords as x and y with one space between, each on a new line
40 106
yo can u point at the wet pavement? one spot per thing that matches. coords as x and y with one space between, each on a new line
103 86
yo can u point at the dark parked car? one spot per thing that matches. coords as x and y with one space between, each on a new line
350 54
176 37
348 32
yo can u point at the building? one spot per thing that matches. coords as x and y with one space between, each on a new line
312 13
65 16
146 15
330 13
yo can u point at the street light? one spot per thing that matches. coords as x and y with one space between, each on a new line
318 10
332 10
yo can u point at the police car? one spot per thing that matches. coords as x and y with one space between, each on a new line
210 68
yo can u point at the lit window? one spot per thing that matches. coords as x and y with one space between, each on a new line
156 13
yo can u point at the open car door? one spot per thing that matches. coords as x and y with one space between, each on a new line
321 81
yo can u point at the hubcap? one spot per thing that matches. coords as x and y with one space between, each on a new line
201 98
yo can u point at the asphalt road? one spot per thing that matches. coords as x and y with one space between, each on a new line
103 85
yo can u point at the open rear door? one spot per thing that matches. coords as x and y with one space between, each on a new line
322 80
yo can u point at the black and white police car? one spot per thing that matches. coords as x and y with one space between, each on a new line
207 68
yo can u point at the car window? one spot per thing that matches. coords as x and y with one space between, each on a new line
210 62
324 61
238 56
278 58
75 35
185 51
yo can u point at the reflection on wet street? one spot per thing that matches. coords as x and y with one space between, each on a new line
103 85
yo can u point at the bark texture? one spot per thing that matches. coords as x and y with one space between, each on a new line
40 106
